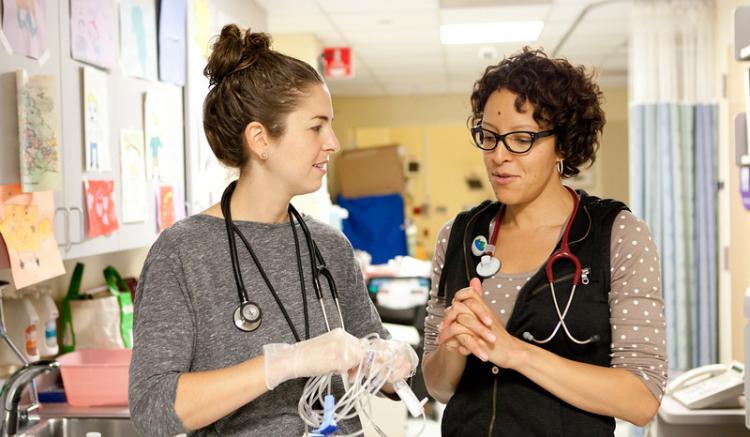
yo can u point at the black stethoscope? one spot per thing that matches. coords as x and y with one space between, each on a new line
248 315
489 265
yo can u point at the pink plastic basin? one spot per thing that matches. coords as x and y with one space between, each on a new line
96 377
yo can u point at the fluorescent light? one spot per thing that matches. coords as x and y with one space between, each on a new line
483 33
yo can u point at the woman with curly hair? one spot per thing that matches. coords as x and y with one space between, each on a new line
546 318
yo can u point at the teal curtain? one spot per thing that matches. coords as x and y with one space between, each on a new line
673 167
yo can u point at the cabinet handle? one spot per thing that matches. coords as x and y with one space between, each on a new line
81 230
66 226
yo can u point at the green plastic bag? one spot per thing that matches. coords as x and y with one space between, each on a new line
119 288
104 321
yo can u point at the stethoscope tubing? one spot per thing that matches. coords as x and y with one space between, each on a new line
564 253
315 257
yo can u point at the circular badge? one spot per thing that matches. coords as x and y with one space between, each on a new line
488 266
479 245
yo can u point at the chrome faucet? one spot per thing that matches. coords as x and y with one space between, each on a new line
13 416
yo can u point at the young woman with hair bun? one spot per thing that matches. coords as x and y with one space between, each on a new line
202 362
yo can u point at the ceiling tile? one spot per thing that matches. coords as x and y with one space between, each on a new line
284 6
298 23
396 6
430 36
383 21
565 12
497 14
397 47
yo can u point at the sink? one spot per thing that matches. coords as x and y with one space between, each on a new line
78 427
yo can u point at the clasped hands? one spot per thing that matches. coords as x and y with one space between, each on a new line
469 326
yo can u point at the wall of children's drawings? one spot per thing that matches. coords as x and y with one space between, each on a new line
90 121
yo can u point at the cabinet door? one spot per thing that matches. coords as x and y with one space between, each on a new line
71 76
9 145
126 111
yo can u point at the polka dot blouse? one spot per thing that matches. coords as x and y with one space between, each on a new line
635 301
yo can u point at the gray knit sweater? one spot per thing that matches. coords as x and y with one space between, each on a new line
183 318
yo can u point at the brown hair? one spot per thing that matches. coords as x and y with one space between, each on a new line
564 97
249 82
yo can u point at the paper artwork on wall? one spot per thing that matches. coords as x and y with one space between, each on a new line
93 32
138 38
134 194
172 44
38 132
202 23
165 207
163 129
100 204
25 27
28 238
96 119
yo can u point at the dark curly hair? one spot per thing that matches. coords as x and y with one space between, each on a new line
249 82
564 97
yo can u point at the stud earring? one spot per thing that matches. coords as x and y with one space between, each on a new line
264 156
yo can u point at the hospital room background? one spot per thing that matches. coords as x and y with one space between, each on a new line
120 108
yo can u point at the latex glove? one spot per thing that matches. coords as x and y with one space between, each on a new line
333 352
400 357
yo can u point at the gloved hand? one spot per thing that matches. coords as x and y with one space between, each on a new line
333 352
399 355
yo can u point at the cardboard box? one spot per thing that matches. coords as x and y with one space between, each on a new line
371 171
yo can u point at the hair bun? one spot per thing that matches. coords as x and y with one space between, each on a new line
234 50
257 41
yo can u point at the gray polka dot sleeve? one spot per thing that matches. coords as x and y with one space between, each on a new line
635 301
636 304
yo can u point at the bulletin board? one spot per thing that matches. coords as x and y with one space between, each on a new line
125 111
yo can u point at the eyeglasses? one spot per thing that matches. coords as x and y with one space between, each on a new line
516 142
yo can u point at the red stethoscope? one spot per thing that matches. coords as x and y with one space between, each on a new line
489 265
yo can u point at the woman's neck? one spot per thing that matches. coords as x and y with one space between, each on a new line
550 208
254 201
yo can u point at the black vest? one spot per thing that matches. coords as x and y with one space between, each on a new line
490 401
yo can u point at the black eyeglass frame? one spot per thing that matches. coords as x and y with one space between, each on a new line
498 138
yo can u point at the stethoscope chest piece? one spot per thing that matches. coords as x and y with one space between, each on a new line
247 316
488 266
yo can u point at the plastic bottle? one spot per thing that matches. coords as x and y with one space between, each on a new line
21 321
46 328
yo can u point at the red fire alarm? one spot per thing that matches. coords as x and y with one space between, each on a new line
337 62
